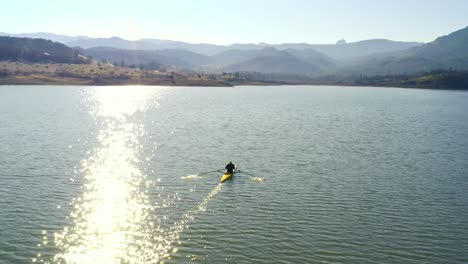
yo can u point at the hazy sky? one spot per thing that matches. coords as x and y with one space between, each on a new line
239 21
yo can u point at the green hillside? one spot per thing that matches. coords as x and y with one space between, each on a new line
38 50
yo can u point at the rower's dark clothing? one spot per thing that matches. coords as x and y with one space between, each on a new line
230 167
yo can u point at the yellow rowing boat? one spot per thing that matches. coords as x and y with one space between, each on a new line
227 176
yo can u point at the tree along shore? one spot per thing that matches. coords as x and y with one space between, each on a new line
20 73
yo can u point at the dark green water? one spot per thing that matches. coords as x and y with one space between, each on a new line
342 175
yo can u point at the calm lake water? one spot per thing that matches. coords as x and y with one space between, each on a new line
336 175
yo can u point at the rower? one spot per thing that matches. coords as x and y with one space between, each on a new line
230 167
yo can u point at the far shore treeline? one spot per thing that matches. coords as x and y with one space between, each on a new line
441 64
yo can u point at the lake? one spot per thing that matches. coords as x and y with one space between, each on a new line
332 175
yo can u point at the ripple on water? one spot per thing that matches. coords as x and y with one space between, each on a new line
347 179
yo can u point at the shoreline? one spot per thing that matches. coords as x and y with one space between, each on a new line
39 80
44 81
20 73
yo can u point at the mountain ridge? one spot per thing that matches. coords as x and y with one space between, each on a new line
445 52
368 57
212 49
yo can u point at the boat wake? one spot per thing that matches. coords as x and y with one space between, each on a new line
257 179
173 235
192 177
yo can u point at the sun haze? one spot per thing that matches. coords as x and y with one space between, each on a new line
240 21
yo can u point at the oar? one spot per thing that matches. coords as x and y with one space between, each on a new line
253 177
206 172
246 173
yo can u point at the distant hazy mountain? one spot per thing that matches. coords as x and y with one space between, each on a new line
249 46
314 57
205 49
341 51
38 50
368 57
145 44
450 51
337 51
234 56
267 60
137 57
443 53
190 58
50 36
114 42
271 60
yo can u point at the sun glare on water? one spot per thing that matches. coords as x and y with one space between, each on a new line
112 221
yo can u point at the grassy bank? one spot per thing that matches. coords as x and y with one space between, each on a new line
18 73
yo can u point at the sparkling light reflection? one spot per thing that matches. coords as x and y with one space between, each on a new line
112 221
115 220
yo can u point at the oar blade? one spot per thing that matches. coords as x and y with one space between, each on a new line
206 172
